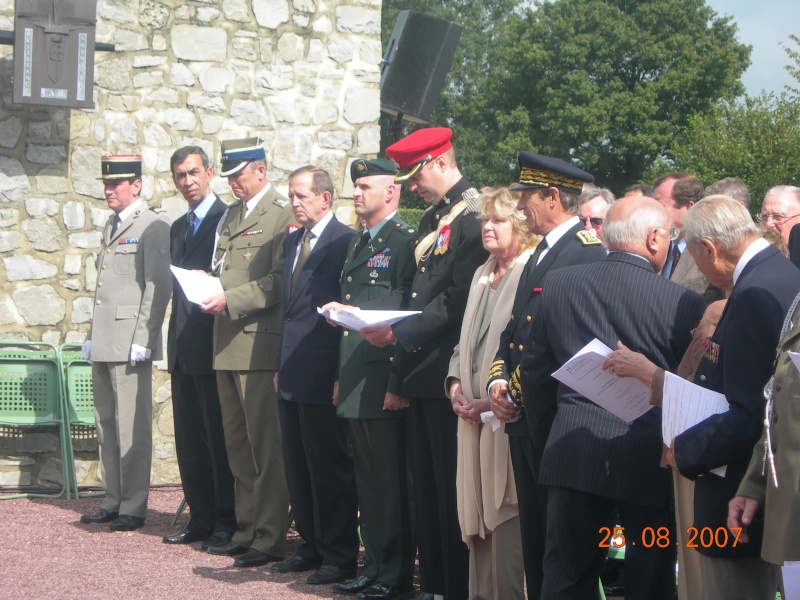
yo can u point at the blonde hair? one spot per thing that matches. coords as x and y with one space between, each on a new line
502 204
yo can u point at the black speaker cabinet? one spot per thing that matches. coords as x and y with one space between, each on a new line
415 64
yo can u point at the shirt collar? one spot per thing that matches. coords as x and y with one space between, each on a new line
323 223
124 214
202 209
373 231
557 233
253 202
753 249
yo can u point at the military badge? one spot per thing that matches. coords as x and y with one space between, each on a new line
379 261
373 274
442 240
291 228
711 350
537 290
123 241
256 232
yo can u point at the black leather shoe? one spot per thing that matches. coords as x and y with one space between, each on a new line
295 564
221 538
330 574
231 548
384 591
103 516
126 523
186 536
254 558
352 587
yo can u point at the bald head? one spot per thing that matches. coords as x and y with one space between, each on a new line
639 225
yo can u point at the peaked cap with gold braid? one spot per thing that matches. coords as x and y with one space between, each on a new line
538 171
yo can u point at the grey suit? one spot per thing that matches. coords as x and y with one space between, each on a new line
133 290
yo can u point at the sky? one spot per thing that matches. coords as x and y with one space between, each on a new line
763 24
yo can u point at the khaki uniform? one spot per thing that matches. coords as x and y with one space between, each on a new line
134 285
249 254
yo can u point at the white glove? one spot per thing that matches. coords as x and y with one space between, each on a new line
86 350
139 354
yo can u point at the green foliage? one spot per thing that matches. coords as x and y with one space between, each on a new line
793 69
412 216
755 139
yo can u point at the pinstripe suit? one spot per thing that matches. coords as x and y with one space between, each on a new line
593 461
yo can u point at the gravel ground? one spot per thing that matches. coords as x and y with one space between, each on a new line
48 553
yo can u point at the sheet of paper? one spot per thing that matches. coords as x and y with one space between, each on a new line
791 580
685 405
624 397
357 319
197 286
795 356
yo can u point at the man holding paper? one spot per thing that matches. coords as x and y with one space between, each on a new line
199 439
729 250
594 462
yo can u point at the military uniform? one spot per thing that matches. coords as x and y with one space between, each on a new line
379 437
133 291
249 263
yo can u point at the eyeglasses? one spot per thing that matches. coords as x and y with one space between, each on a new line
596 221
777 218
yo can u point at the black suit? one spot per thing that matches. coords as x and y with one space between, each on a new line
316 446
568 250
199 439
794 245
593 461
747 337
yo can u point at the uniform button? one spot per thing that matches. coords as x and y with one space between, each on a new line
103 267
227 267
422 270
135 315
437 217
702 377
528 318
512 317
520 347
347 297
98 302
372 281
99 284
777 387
349 279
346 333
511 345
413 294
391 358
108 250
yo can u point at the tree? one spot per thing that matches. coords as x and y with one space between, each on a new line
793 69
755 139
607 84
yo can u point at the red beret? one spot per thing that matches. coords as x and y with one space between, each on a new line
414 150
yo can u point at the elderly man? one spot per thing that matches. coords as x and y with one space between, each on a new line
133 290
730 186
781 209
376 264
447 252
592 208
595 463
316 444
549 189
728 249
199 439
677 192
249 263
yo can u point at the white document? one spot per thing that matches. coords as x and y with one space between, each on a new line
795 356
197 286
685 405
791 580
624 397
358 319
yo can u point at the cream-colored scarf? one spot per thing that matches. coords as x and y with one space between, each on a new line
486 493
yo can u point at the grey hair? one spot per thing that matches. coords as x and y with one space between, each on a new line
590 192
720 219
635 227
729 186
785 190
569 202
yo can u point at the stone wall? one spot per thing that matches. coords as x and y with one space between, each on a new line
302 74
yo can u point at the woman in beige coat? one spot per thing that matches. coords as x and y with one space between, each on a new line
487 498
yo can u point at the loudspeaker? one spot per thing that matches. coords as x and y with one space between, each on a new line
415 64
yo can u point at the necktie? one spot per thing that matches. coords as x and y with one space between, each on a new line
190 220
305 250
676 256
538 252
114 225
362 242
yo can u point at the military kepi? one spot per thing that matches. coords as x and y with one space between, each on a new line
362 167
121 166
538 171
236 154
415 150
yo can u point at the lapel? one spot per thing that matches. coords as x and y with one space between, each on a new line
375 246
207 228
313 261
124 226
760 257
685 268
245 223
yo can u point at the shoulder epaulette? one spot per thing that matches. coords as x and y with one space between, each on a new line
405 228
473 199
587 238
158 210
281 202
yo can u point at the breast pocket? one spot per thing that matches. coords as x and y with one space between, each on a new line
125 259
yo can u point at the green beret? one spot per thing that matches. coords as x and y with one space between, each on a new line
366 168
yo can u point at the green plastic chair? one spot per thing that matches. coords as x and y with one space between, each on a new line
31 396
79 396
